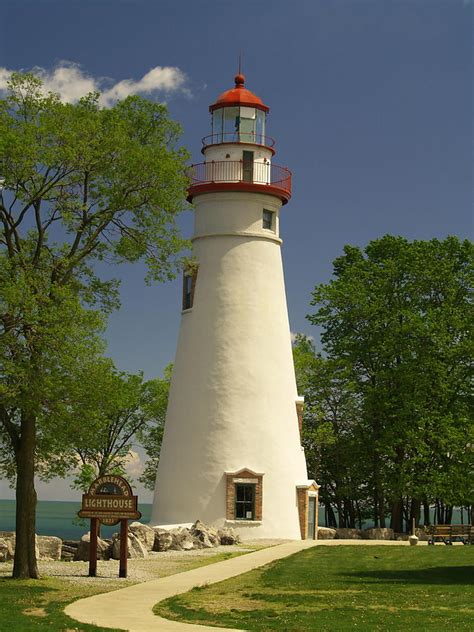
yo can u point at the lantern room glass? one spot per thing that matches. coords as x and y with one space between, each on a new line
238 124
217 126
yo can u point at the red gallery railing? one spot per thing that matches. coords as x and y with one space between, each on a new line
233 171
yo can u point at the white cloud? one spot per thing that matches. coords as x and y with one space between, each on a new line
293 336
4 76
71 82
158 79
133 464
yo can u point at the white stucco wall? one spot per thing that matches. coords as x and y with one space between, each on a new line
235 152
233 391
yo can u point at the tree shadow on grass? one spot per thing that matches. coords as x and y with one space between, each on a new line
437 575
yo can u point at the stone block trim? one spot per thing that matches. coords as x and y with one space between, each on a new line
243 476
303 511
299 412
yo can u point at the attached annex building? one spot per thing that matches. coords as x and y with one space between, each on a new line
231 452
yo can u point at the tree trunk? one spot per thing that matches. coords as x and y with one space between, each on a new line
440 506
25 565
415 511
449 514
351 512
381 505
426 512
396 518
340 515
331 517
359 514
376 510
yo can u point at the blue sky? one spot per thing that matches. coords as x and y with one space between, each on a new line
371 108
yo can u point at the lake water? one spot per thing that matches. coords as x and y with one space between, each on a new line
60 519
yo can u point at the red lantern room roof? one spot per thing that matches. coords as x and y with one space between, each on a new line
238 96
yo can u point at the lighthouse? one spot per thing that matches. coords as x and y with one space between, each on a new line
231 452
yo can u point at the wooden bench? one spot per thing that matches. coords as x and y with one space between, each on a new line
448 533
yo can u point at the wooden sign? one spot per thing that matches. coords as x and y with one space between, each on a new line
109 500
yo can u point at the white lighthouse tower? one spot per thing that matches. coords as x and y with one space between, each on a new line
231 452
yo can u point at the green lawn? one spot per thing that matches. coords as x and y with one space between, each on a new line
37 605
342 588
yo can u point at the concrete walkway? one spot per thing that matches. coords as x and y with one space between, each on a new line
131 608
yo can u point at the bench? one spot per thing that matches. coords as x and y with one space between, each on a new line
448 533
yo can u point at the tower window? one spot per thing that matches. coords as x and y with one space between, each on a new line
244 495
244 501
268 219
189 284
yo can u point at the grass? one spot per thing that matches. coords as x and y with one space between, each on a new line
37 605
34 605
341 588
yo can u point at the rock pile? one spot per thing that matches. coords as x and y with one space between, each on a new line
47 547
325 533
69 550
373 533
142 539
198 536
83 550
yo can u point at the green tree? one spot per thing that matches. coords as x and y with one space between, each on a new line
151 435
399 314
79 184
330 433
113 412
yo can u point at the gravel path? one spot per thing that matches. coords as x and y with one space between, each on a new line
139 570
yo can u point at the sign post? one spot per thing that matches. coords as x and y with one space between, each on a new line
123 548
93 548
110 500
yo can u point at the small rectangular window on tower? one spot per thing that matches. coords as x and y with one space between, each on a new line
268 220
244 502
189 284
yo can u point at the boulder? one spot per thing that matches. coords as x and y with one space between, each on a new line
182 540
144 533
163 539
10 538
69 550
228 536
6 550
348 534
202 542
135 548
7 545
208 536
83 549
49 547
422 534
325 533
378 533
